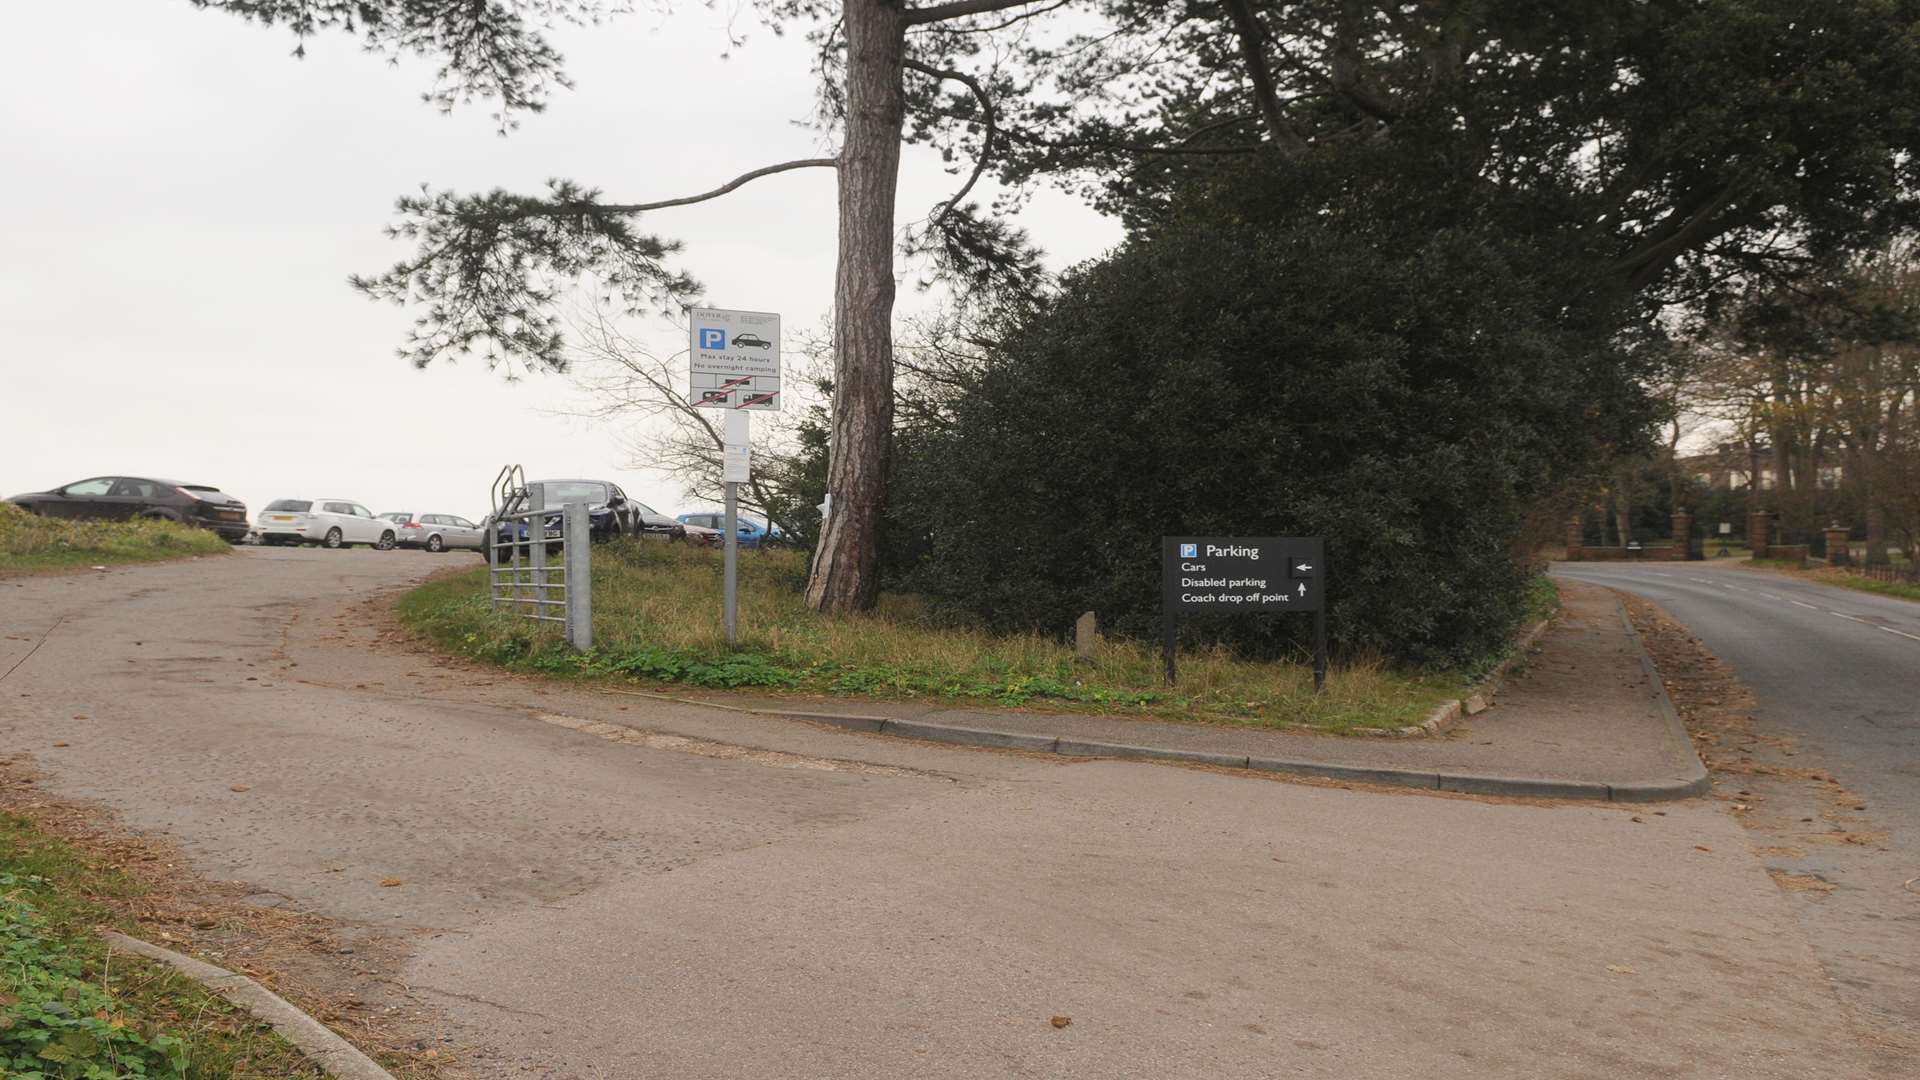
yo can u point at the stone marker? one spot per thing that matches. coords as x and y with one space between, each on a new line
1086 635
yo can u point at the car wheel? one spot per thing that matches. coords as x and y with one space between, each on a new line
333 539
386 541
435 544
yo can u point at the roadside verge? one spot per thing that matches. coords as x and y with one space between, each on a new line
1588 719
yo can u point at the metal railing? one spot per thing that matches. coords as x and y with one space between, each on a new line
1907 573
521 578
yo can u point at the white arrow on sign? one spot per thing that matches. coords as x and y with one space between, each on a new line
1303 588
1304 567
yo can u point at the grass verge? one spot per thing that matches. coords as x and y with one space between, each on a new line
1846 579
657 621
29 542
69 1009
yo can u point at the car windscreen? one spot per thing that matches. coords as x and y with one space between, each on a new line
291 506
573 491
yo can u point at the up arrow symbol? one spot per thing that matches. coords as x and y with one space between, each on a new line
1303 588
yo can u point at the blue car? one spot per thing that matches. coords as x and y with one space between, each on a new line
752 533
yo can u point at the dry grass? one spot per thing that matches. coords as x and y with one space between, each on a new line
29 542
657 619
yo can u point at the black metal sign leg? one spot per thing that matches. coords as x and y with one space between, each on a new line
1319 649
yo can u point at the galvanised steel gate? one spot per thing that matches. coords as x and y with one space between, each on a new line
537 555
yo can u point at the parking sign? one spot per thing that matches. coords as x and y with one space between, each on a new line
735 359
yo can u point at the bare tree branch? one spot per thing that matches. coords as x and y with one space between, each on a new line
1247 28
986 146
959 9
743 178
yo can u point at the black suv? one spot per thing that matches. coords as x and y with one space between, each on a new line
123 498
609 514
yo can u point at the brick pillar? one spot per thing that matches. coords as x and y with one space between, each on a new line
1759 526
1576 538
1837 553
1682 533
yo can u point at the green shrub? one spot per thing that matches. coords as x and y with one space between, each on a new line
1411 400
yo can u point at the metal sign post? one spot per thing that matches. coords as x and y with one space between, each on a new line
734 365
736 453
1228 574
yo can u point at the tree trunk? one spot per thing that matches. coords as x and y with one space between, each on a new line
845 575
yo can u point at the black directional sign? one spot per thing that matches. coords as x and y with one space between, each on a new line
1219 575
1226 574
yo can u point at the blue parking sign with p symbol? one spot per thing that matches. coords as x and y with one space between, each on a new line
1189 551
712 338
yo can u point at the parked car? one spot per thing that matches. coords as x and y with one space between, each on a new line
334 523
700 535
609 514
752 534
437 532
123 498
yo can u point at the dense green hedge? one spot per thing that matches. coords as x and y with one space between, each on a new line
1410 406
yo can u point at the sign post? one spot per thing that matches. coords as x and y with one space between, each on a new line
734 365
1218 575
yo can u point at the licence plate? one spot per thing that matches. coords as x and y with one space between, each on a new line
232 515
282 517
553 534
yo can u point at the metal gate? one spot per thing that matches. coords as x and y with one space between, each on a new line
537 555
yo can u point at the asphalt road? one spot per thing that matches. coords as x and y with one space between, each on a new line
1837 667
1836 677
595 885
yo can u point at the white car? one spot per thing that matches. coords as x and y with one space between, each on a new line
437 532
334 523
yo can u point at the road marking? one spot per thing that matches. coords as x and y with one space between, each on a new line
1735 588
1770 596
1902 633
1844 615
1701 580
1804 604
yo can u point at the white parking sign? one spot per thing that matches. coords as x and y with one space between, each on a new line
735 359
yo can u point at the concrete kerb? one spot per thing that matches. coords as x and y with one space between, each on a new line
336 1055
1420 779
1448 713
1695 781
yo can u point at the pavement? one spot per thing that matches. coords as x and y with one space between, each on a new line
1584 717
595 885
1835 674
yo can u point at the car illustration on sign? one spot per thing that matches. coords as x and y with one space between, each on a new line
751 341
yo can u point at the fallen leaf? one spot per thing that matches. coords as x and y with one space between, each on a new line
241 787
62 744
392 882
1638 820
1062 1021
1620 969
79 716
1701 847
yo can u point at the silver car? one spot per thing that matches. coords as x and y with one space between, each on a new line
437 532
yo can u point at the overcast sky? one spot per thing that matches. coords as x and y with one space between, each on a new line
184 202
